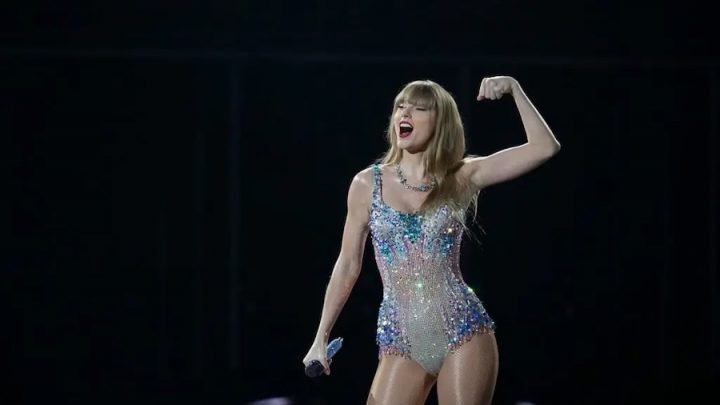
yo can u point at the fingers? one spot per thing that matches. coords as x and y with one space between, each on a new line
492 88
481 92
489 90
324 361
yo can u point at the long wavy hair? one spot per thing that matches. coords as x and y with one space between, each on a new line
444 151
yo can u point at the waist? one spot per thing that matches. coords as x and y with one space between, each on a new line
425 285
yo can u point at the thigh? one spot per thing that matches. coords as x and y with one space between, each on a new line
400 381
468 375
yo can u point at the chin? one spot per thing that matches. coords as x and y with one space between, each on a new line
411 148
404 145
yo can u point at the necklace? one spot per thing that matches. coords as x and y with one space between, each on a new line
421 188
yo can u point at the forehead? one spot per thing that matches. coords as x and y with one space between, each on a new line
417 94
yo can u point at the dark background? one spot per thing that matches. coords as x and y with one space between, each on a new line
176 175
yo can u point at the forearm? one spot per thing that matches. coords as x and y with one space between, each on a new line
537 131
338 290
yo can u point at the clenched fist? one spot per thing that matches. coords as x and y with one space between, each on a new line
493 88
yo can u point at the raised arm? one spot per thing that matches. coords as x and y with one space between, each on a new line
512 162
348 264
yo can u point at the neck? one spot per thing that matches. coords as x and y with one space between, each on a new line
413 165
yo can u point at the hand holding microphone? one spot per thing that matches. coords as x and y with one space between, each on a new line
318 359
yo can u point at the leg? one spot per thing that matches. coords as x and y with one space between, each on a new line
399 381
468 375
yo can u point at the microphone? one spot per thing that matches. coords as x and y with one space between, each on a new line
315 368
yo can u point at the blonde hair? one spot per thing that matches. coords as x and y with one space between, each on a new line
445 149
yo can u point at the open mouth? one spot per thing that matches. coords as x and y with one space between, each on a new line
405 130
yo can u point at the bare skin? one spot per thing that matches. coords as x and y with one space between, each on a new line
468 375
399 381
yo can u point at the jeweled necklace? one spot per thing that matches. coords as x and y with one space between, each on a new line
421 188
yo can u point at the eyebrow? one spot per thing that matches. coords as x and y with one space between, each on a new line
422 103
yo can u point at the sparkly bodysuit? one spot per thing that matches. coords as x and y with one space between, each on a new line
427 309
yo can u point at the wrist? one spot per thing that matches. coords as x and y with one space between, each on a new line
321 337
515 87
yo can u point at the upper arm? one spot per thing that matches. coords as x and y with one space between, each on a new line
506 164
356 227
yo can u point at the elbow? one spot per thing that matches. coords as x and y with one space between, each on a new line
547 150
353 270
551 149
556 148
349 269
349 277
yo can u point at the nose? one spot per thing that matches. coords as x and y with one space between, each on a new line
405 112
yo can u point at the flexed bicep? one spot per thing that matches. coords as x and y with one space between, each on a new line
506 164
513 162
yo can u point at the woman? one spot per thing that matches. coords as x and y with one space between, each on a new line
432 328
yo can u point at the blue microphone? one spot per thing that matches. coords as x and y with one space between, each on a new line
315 368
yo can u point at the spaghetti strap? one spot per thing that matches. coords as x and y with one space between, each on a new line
377 182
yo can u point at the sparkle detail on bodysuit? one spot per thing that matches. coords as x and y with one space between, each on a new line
427 309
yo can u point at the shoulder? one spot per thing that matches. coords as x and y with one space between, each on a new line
362 183
365 177
360 192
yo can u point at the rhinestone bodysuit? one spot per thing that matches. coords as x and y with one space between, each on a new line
427 309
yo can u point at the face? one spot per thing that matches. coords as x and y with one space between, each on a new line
414 125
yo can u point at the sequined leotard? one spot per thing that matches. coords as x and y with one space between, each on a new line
427 309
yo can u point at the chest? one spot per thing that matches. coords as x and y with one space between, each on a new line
388 223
